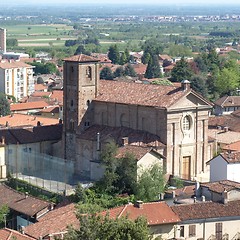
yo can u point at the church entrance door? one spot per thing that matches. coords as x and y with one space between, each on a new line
186 166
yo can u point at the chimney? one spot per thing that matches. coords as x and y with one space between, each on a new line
203 198
124 141
194 199
3 140
226 129
197 189
139 204
26 194
225 196
173 194
22 230
161 196
98 141
185 85
6 124
38 123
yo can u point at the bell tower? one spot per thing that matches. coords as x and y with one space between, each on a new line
80 86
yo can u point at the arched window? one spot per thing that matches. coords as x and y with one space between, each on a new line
89 72
186 124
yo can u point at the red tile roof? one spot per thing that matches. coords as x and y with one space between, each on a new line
28 106
41 94
10 234
51 109
232 147
17 120
14 64
57 96
117 133
137 151
139 94
220 186
40 87
81 58
187 191
19 202
55 221
228 101
204 210
233 157
156 213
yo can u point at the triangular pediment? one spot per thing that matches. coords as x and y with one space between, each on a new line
191 100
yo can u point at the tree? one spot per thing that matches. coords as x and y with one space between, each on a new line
151 183
96 227
4 210
129 71
4 105
181 71
198 83
106 73
123 59
81 50
113 54
153 68
119 72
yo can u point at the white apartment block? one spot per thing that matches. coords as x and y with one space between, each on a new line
16 78
3 44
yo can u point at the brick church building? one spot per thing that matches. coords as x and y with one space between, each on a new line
172 120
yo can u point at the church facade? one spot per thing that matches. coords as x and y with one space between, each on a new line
171 119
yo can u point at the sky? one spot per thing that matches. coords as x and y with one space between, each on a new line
158 2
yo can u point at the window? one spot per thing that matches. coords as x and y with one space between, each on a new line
71 125
186 123
181 231
71 103
89 72
192 230
218 231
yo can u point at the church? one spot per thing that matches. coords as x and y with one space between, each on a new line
171 120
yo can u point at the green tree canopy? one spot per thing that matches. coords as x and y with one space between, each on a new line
119 72
129 70
4 105
181 71
113 54
97 227
153 68
151 183
106 73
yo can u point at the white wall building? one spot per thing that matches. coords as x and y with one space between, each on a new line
16 78
225 166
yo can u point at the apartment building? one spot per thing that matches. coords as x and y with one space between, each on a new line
16 78
3 44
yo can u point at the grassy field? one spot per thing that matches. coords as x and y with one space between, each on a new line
40 35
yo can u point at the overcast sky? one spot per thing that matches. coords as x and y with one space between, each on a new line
159 2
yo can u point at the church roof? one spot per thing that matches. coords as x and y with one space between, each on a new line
139 94
81 58
135 137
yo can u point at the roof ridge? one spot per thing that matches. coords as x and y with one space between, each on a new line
121 213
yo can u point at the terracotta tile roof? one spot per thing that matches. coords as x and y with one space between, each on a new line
224 137
232 147
20 203
14 64
51 109
10 234
57 96
135 137
81 58
230 121
156 213
164 56
220 186
203 210
137 151
186 191
32 134
28 106
17 120
139 94
233 157
140 68
40 87
41 94
228 101
55 221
